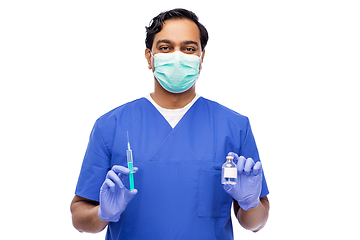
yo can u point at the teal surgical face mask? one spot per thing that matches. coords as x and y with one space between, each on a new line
177 72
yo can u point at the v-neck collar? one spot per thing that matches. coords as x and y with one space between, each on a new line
154 134
171 116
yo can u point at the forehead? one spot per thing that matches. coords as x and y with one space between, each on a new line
179 30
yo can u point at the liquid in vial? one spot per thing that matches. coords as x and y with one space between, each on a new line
229 171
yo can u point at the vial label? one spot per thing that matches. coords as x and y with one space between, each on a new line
230 172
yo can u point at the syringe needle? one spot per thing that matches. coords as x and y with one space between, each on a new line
128 142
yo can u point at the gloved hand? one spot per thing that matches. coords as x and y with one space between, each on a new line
248 183
114 196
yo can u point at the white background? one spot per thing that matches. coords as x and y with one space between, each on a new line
292 67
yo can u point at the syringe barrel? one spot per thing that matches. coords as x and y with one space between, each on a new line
129 160
130 166
129 156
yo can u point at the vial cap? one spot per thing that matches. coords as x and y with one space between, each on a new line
229 157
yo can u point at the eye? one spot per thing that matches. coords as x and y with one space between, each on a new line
189 49
164 48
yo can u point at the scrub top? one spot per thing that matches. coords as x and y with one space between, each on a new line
180 195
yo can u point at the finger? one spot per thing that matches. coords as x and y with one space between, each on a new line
118 169
115 179
108 184
234 155
248 166
241 163
257 168
135 169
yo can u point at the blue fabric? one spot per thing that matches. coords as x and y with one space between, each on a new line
180 195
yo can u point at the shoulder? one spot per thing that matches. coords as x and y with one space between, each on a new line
120 113
225 113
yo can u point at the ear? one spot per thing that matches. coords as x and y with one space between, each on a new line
148 57
202 59
202 55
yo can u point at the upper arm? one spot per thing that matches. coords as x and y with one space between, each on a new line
95 165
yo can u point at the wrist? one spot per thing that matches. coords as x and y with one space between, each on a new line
246 205
108 217
101 216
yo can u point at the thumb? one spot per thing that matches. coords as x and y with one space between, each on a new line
129 195
234 155
228 188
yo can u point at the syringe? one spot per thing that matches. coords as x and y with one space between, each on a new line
130 163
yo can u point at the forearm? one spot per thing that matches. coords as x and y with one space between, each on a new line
85 216
253 219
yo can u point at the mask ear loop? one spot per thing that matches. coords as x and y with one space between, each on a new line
153 58
152 54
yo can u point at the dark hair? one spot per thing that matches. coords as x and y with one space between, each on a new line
157 22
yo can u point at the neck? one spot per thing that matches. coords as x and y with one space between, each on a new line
170 100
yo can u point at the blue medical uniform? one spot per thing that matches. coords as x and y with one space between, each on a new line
180 195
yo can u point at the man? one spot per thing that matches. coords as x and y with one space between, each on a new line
179 141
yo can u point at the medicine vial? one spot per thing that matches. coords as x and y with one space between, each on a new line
229 171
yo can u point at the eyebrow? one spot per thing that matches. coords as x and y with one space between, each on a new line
169 42
163 41
190 42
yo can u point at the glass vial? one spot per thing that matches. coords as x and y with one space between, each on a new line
229 171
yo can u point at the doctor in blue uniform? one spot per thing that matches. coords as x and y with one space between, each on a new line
180 141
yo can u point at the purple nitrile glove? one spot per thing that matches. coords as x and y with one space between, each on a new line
114 196
248 183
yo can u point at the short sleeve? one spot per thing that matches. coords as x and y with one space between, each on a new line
249 149
94 168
